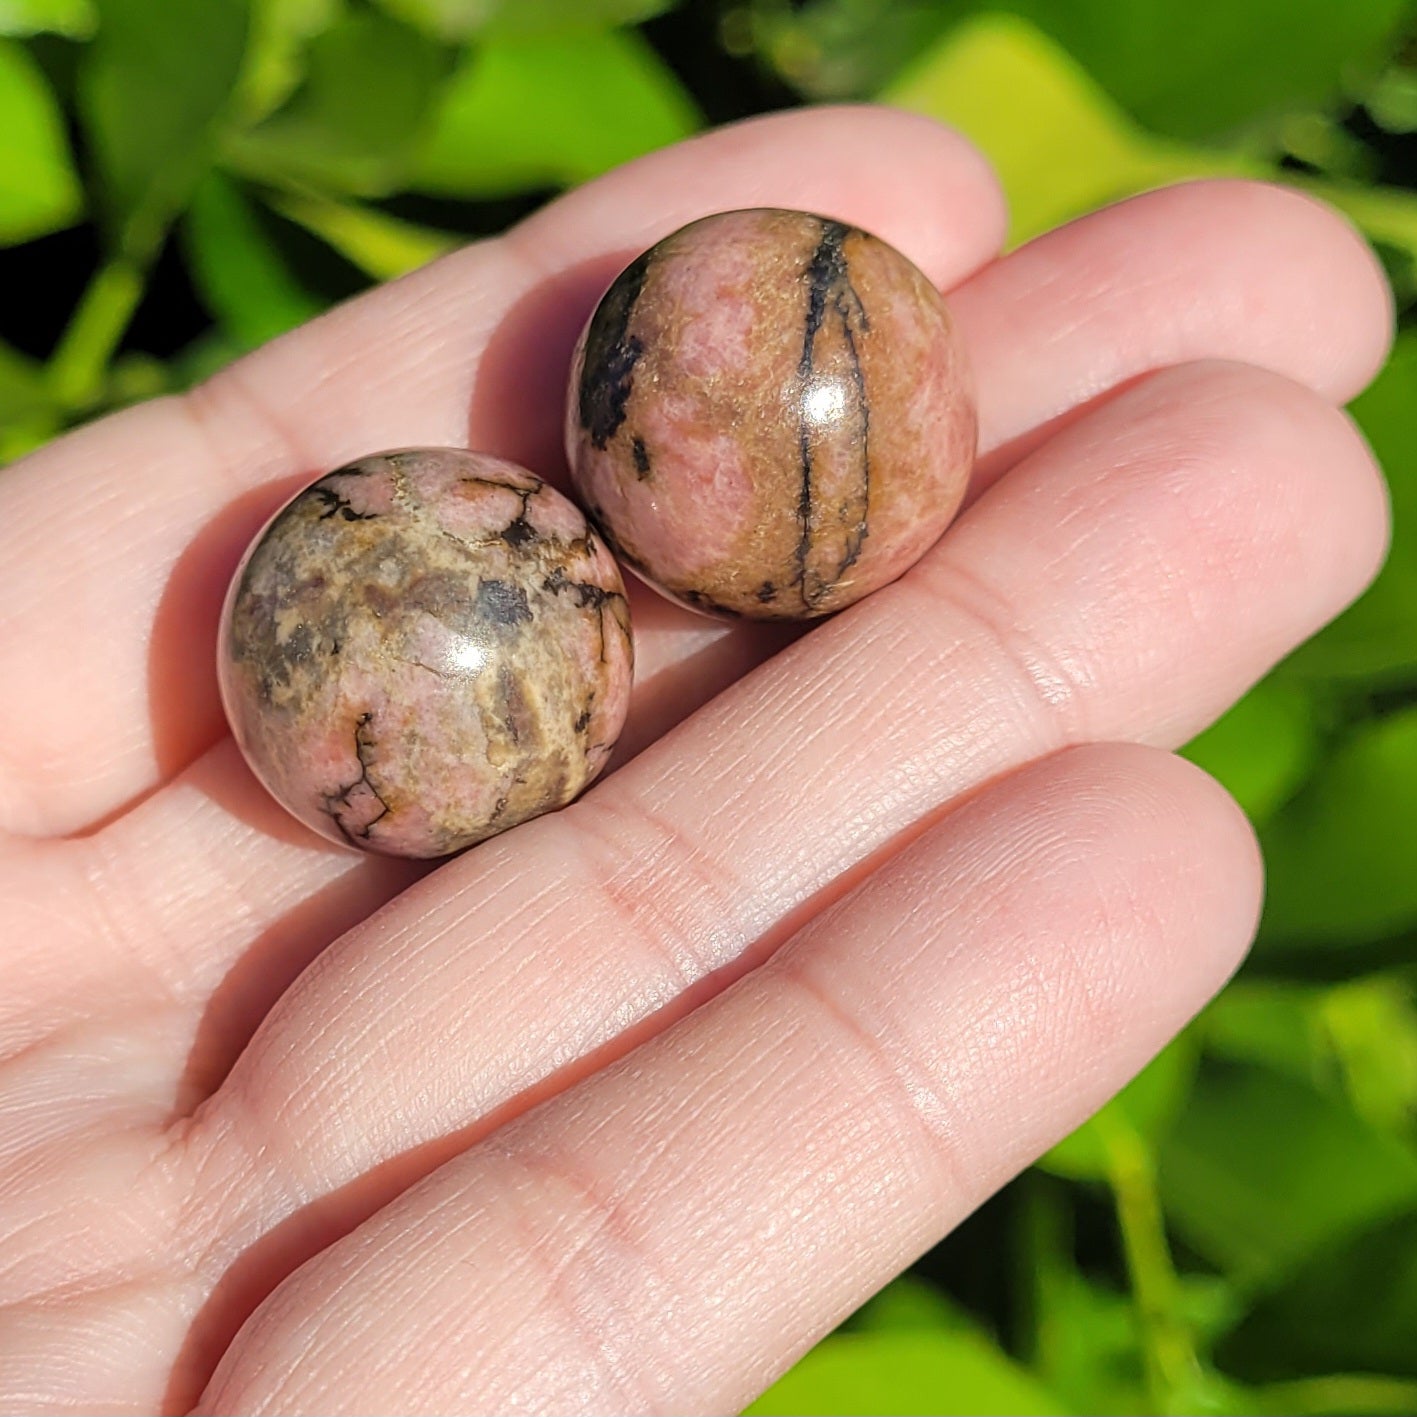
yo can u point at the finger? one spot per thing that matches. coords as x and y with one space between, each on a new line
671 1235
1182 273
125 533
1213 269
1125 582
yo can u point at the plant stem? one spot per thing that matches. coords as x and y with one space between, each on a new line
76 368
1173 1374
1339 1395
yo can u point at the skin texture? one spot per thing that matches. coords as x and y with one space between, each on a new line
770 415
622 1109
425 648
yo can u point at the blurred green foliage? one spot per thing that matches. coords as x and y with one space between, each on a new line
1237 1231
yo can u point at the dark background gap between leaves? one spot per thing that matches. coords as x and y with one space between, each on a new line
181 180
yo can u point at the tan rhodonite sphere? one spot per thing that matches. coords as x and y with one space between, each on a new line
424 648
770 415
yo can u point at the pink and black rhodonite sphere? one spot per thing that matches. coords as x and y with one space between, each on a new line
424 648
770 415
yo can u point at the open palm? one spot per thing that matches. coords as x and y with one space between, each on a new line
623 1109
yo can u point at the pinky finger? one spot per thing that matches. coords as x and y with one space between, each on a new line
673 1233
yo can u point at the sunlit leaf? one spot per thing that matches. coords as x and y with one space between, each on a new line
1277 1023
1358 1038
1060 145
840 49
1376 639
907 1373
458 19
1145 1108
443 19
550 112
39 191
1352 1308
380 245
155 84
75 19
135 377
552 17
1331 1395
907 1303
1339 856
1260 1171
281 32
1392 101
1260 750
1202 68
355 122
1371 1027
238 269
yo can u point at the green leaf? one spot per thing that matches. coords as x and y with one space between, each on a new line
906 1373
238 269
1261 750
908 1304
1376 639
154 86
528 113
1332 1395
1360 1036
458 19
1202 68
844 49
1275 1023
354 124
281 32
1144 1108
558 17
380 245
1060 145
208 354
27 413
1392 101
442 19
1371 1027
39 191
1350 1309
1339 856
1260 1171
75 19
22 391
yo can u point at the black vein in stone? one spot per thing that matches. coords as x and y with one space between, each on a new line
848 303
611 353
588 596
335 804
519 531
336 506
828 286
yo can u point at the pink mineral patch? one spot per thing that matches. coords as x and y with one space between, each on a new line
770 415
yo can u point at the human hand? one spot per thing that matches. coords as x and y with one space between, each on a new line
507 1135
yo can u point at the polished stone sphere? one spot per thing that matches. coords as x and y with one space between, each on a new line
770 415
425 648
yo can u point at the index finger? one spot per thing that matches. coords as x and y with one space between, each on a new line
125 532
